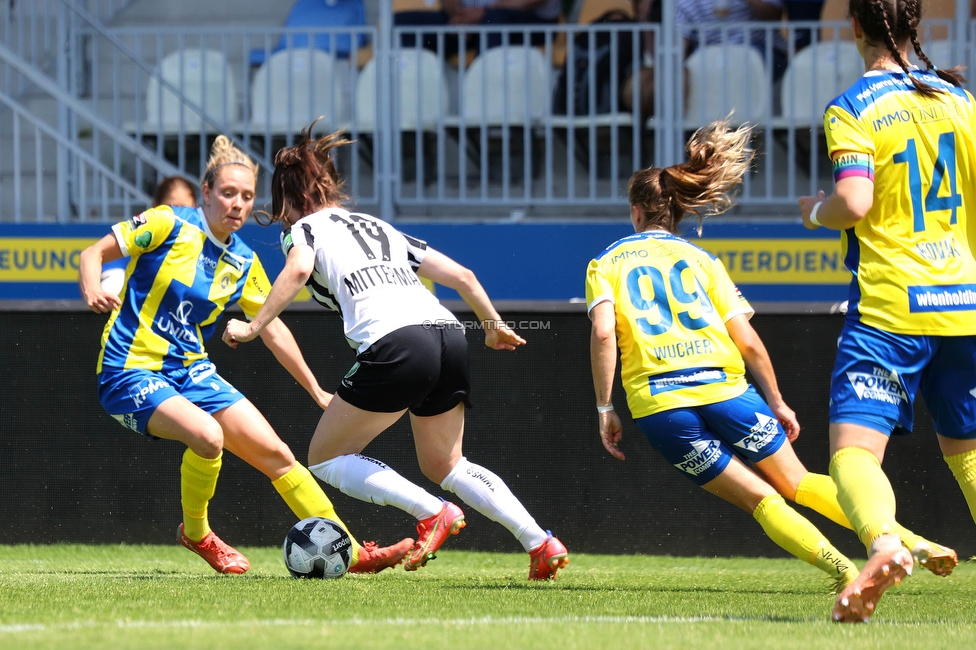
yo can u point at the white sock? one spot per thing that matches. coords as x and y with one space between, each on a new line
368 479
488 494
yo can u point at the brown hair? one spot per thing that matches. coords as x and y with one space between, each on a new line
305 175
223 152
718 158
890 22
170 184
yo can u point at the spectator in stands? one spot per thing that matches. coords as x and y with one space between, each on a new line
806 10
411 355
186 267
697 18
175 191
899 189
685 345
514 13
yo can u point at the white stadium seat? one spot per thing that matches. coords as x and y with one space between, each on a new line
293 88
724 79
508 82
204 79
418 77
815 76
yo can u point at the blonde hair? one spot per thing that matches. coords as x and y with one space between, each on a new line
718 158
223 152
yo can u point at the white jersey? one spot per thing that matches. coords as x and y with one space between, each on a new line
366 270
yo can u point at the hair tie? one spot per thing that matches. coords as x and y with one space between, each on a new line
934 69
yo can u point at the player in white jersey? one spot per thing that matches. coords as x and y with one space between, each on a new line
411 356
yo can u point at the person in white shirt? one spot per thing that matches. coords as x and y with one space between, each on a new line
411 355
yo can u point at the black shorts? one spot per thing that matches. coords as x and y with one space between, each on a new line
424 369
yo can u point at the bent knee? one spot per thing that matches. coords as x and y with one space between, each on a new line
208 440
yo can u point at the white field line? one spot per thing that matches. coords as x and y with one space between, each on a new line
355 622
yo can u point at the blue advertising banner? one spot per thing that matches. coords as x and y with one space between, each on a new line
770 261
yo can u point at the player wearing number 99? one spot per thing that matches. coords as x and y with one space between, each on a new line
901 142
411 355
685 341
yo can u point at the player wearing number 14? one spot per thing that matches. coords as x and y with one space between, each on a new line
902 146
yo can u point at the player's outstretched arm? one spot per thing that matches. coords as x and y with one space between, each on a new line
298 268
104 250
284 347
603 361
443 270
759 364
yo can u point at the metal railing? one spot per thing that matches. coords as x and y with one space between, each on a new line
503 131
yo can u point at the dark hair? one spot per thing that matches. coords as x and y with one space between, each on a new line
889 23
168 185
305 175
718 158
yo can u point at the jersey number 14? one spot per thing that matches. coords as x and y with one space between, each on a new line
945 165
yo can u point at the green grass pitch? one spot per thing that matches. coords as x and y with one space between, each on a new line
73 596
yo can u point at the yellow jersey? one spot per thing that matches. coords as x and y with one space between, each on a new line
179 281
671 301
913 270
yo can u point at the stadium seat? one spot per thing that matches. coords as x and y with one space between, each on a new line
816 75
205 80
421 92
724 79
585 12
506 85
417 5
321 14
418 77
293 88
507 90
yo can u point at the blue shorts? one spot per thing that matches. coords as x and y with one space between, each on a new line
132 396
701 440
878 374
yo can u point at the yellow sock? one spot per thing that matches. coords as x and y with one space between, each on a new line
819 493
198 481
305 497
963 467
795 534
865 493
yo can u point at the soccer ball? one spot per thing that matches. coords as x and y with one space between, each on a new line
112 280
317 548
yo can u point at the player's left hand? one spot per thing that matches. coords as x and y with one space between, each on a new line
237 331
321 397
787 418
806 207
499 337
611 433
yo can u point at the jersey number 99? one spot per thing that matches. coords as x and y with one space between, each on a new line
659 301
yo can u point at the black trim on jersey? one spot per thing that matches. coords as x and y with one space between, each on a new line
310 240
416 243
325 293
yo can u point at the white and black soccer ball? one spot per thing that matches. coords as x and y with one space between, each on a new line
317 548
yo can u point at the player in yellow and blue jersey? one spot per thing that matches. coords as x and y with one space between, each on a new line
685 341
185 267
901 140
